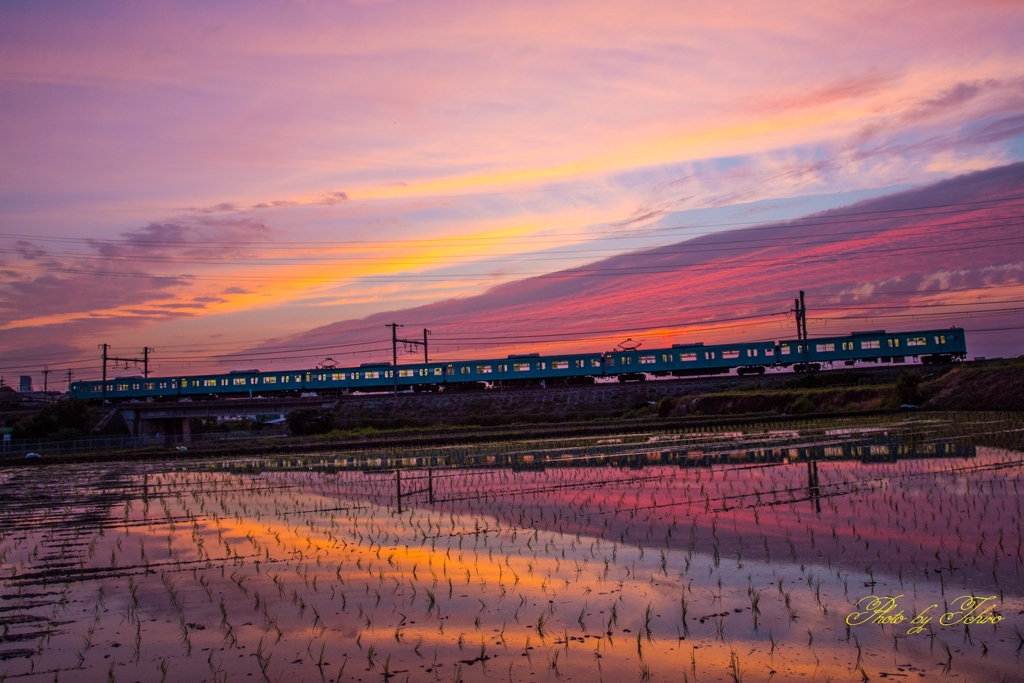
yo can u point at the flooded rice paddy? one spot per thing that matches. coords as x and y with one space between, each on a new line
681 565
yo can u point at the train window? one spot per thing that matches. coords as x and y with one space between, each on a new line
195 383
941 339
580 363
406 373
437 372
894 343
465 370
709 355
825 348
135 386
209 382
122 387
270 380
626 360
730 354
595 362
254 380
870 344
543 364
451 369
355 375
110 387
784 349
752 352
284 378
149 386
97 387
163 385
237 380
559 365
484 369
371 374
298 378
648 360
919 341
688 357
174 384
520 367
337 376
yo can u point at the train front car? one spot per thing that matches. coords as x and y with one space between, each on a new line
874 346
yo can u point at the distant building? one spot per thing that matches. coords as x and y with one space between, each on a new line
25 384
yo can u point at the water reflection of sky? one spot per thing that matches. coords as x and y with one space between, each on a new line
579 574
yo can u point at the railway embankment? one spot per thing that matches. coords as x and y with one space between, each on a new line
783 393
988 385
996 385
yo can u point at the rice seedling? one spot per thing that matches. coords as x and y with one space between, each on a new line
281 554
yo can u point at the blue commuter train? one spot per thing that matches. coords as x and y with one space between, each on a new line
680 360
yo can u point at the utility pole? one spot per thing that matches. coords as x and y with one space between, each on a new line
46 371
394 365
800 309
408 343
803 314
144 360
70 375
105 347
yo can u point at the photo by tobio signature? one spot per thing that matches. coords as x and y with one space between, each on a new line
966 609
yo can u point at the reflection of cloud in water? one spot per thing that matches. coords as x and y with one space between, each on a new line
289 574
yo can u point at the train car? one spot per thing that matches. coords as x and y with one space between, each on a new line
684 360
875 346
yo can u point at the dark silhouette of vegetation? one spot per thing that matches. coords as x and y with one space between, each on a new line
308 421
802 406
908 387
665 406
68 418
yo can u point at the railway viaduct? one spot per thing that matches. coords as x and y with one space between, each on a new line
158 420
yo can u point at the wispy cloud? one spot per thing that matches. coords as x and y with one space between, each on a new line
198 171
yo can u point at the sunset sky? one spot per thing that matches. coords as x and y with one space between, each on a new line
211 179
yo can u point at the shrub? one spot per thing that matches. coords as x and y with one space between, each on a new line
69 417
802 406
908 387
308 421
665 406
